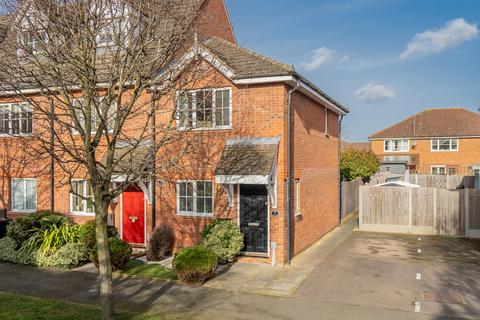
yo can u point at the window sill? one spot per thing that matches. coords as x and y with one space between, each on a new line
195 215
206 129
22 211
82 214
21 135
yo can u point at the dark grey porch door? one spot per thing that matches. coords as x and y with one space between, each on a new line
253 217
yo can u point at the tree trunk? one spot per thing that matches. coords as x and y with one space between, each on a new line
104 262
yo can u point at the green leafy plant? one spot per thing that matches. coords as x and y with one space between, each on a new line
160 243
358 164
208 228
195 264
120 253
87 234
8 252
225 239
67 257
22 228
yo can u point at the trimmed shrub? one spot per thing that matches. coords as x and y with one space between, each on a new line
208 228
68 256
87 234
225 239
160 243
8 252
120 253
195 264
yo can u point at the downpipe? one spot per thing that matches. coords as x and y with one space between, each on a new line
289 172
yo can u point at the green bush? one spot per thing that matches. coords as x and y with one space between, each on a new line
160 243
87 234
208 228
195 264
120 253
8 252
22 228
358 164
68 256
225 239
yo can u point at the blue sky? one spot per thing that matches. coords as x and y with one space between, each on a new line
384 59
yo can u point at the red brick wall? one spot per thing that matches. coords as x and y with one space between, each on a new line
315 164
216 22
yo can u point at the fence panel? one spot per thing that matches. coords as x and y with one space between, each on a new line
350 195
420 210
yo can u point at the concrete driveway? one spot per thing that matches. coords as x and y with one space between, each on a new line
429 275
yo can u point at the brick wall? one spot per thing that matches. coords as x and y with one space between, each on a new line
316 167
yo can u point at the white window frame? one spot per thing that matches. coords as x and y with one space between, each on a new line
297 196
390 141
194 213
438 166
214 109
25 192
80 100
10 108
437 140
84 201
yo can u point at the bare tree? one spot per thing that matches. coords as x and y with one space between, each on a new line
94 74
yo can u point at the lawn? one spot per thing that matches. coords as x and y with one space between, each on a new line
138 268
18 307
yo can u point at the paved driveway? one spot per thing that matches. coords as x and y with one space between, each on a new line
380 271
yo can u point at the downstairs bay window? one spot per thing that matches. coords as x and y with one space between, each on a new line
195 198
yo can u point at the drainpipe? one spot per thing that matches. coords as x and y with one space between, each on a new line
289 171
154 175
340 209
52 163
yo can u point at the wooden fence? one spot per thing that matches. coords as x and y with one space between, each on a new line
431 211
442 181
350 193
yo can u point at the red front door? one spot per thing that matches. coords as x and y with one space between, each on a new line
133 219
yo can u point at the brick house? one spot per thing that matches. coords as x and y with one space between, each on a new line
269 161
434 141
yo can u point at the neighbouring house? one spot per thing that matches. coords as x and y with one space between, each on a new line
242 167
434 141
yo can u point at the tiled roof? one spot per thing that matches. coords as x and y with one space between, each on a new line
431 123
245 159
246 63
362 146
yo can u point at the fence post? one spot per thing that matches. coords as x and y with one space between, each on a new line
466 206
360 206
410 209
435 210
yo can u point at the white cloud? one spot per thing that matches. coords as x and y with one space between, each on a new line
373 93
454 33
320 57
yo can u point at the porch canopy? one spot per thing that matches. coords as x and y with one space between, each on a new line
132 162
248 161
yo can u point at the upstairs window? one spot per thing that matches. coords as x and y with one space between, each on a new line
396 145
444 144
100 104
16 119
204 109
31 42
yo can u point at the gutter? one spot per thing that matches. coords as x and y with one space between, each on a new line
289 171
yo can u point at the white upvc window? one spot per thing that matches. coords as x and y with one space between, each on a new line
444 145
112 32
297 196
195 198
24 195
16 119
439 169
396 145
79 106
81 200
31 42
204 109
